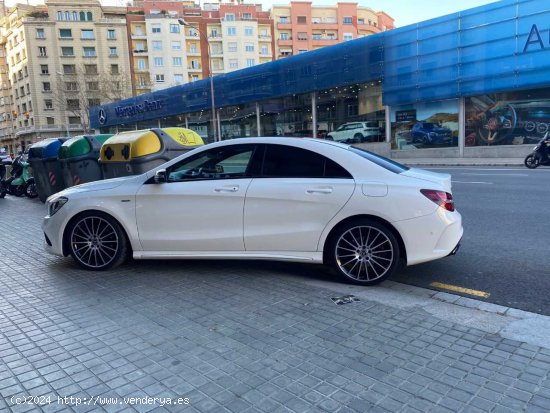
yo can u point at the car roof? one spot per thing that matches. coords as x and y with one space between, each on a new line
282 140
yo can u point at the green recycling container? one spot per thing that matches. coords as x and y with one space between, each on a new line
136 152
79 159
45 166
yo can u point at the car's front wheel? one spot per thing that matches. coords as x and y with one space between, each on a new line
363 252
97 241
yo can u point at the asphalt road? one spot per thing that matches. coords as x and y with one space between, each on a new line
505 250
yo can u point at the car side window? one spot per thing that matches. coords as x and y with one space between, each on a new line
217 163
291 162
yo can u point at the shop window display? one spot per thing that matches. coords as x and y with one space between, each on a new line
425 125
511 118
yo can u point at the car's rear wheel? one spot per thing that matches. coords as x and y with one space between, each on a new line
97 241
358 137
363 252
330 138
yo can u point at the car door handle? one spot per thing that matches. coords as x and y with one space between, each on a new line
227 189
319 191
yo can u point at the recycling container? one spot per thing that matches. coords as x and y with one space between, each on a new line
46 167
136 152
79 159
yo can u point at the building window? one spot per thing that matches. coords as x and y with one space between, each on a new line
249 31
285 36
141 64
42 51
90 69
264 50
86 34
92 86
316 36
40 34
93 102
176 45
71 86
283 19
194 78
89 16
302 36
114 70
155 28
69 69
50 121
113 52
331 36
158 61
233 63
157 45
249 47
178 79
231 31
347 20
360 21
73 104
89 52
250 62
67 51
246 16
232 47
111 34
65 34
75 120
44 70
214 33
301 20
229 17
159 78
48 104
46 87
174 28
177 61
348 36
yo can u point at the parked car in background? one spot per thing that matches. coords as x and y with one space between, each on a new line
305 200
429 133
4 155
356 132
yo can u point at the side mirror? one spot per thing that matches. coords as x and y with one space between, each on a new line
160 176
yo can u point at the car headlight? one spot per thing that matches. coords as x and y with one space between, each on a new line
56 205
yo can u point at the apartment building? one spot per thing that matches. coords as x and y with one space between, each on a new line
300 27
178 42
7 133
63 58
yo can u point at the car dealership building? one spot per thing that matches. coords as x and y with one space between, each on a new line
470 84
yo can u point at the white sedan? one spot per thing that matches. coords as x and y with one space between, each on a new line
277 198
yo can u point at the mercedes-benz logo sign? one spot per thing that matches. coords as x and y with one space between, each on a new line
102 116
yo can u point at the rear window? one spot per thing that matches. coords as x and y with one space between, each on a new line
380 160
372 124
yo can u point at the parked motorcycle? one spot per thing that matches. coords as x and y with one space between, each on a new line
3 185
21 181
539 156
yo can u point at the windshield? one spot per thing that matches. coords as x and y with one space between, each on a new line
380 160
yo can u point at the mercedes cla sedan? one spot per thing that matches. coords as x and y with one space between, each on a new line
288 199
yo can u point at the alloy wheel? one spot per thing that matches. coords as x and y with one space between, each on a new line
364 253
95 242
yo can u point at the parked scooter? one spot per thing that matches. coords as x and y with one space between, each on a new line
3 185
21 182
540 155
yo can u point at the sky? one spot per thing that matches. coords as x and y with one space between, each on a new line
404 12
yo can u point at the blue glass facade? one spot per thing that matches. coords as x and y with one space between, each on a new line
500 47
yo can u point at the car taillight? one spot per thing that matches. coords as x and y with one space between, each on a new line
441 198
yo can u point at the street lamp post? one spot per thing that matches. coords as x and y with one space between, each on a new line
182 22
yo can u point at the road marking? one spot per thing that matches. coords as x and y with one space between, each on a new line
473 182
457 289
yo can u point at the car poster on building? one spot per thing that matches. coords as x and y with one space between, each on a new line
513 118
425 125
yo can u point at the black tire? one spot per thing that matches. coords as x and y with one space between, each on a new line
531 161
329 138
358 138
96 241
363 252
18 190
30 189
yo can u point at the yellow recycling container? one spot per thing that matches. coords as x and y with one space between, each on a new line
136 152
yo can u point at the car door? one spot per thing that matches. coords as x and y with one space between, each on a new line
297 193
200 207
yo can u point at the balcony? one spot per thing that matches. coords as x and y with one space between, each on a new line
283 26
217 38
264 38
324 41
286 42
193 52
141 52
138 36
195 69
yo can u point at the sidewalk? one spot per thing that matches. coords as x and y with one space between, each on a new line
249 337
461 161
